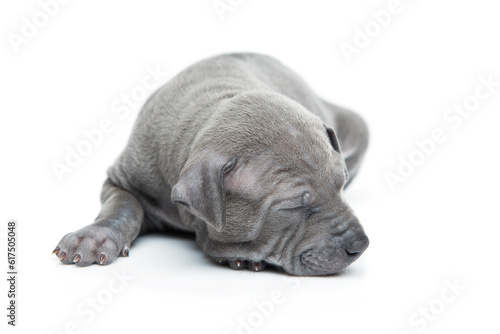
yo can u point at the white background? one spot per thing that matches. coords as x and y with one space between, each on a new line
440 225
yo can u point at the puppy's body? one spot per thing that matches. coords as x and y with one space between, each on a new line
225 150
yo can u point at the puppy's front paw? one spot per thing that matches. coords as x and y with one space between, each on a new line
239 264
91 244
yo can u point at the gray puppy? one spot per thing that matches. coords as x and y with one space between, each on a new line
240 151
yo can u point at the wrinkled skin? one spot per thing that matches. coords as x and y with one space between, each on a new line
238 150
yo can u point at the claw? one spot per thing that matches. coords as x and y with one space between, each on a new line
257 266
102 258
63 256
55 251
125 252
220 260
76 258
238 264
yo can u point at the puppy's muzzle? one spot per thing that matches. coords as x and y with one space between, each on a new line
331 259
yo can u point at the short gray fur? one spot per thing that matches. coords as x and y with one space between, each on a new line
240 151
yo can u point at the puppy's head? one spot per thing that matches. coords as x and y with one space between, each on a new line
265 180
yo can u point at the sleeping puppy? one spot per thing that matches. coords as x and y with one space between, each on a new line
238 150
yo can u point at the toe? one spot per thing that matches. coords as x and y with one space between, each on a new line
257 266
56 251
65 250
237 264
85 252
77 258
107 252
63 257
125 252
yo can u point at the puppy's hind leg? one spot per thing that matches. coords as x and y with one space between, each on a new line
111 234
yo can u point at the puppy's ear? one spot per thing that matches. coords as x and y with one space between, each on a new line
201 189
333 138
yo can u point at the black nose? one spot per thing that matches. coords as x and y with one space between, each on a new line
357 246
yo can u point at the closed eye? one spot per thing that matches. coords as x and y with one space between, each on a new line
294 208
304 203
307 209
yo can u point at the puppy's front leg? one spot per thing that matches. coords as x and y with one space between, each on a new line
117 225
